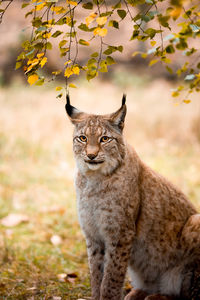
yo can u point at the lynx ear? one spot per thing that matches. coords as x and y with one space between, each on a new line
73 113
118 117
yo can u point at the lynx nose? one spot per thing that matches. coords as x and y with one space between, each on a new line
91 156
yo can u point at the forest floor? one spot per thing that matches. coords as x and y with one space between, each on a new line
43 253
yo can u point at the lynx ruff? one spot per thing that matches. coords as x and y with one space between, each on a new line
132 218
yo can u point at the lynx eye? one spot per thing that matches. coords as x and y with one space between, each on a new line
104 139
82 138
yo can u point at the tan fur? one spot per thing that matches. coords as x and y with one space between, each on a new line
131 216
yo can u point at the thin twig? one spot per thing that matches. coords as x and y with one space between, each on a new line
3 12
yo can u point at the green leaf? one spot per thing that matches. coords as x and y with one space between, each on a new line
57 33
88 5
62 43
103 66
84 27
48 46
83 42
95 54
110 60
114 24
121 13
151 32
170 49
163 20
120 48
25 4
18 65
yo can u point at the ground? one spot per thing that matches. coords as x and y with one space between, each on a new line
45 257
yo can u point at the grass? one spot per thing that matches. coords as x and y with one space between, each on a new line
36 178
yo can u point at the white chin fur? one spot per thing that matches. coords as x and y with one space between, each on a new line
94 166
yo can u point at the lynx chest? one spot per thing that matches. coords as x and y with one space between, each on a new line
103 206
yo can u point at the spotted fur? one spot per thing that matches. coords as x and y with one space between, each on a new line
132 217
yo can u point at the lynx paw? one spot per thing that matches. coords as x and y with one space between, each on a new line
136 295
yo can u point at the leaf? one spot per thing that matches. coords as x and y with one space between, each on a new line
170 49
68 72
152 43
57 33
153 62
76 70
12 220
121 13
88 5
58 88
83 42
187 101
100 31
18 65
114 24
110 60
40 6
175 13
56 240
71 85
95 54
71 2
43 62
90 18
39 55
101 20
32 79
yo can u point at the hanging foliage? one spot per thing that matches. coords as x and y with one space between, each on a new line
170 26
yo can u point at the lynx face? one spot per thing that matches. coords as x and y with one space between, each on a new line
98 142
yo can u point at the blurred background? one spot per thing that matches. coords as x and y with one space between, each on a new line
43 253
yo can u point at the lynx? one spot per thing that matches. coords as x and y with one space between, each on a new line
132 218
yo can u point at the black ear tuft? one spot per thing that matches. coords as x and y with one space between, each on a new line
68 107
124 99
67 99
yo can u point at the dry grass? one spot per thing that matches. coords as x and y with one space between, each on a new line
36 175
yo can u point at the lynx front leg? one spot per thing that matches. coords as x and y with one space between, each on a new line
115 266
95 258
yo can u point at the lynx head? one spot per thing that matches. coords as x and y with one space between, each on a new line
97 141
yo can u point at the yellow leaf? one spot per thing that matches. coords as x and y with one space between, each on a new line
72 85
46 35
58 88
152 62
40 6
68 20
176 104
175 13
71 2
32 79
76 70
90 18
101 20
43 62
57 72
67 62
100 31
40 54
58 9
153 43
68 72
136 53
186 101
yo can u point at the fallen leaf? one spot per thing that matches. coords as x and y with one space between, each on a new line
14 219
56 240
62 277
56 298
